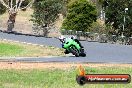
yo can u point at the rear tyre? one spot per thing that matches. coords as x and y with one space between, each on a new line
83 54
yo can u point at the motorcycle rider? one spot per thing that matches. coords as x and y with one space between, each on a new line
63 39
76 40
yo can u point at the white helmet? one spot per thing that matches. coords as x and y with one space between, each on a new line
73 37
62 38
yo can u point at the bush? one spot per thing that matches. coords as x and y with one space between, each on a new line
46 12
81 14
98 27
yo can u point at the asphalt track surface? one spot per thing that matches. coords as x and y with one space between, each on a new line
96 52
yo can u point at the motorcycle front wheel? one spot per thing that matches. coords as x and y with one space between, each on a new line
74 51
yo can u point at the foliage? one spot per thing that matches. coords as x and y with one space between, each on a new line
25 3
98 27
64 7
2 9
115 12
46 11
81 14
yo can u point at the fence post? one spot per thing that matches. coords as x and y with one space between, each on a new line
63 31
87 35
70 32
79 33
95 36
122 39
103 38
113 39
130 41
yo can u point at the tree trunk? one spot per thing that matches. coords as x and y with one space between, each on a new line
11 22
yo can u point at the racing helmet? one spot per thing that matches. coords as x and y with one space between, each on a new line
62 38
73 37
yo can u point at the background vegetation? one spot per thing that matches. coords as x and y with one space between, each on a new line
2 9
115 13
46 12
81 14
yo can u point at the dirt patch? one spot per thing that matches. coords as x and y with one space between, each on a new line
24 65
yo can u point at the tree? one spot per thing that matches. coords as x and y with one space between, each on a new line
81 14
65 7
46 12
13 6
25 3
115 12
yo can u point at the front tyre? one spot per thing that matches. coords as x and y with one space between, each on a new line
74 51
66 52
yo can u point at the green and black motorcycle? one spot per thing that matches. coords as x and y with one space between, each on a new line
73 47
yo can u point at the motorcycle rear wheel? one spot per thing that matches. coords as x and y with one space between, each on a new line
83 54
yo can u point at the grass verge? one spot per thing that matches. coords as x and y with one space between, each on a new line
11 49
56 78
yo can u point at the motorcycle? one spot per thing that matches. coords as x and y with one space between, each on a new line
73 47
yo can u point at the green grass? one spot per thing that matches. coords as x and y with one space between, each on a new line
56 78
11 49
